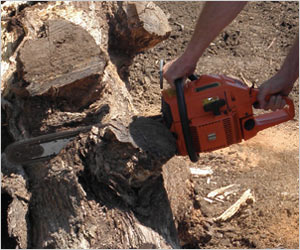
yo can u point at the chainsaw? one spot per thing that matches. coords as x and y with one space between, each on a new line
207 113
214 111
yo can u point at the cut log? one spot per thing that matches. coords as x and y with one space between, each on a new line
50 62
107 188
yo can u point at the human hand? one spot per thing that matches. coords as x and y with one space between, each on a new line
277 87
281 83
178 68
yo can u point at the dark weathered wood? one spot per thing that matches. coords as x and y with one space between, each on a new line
80 196
15 199
64 54
136 26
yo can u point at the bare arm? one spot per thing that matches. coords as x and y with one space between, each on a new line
282 82
214 17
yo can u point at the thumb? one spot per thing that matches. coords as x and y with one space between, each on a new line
261 96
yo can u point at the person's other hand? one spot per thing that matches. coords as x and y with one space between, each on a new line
277 87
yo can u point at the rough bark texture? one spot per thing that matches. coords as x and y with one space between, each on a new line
108 187
137 26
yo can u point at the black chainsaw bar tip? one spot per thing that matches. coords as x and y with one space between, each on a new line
42 147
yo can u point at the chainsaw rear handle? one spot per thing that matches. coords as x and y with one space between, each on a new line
270 119
184 120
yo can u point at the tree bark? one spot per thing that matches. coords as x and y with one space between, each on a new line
109 187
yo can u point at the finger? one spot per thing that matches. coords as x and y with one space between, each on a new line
279 102
282 104
261 98
167 73
276 102
169 78
271 103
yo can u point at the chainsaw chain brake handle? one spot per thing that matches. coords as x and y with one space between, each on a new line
270 119
184 119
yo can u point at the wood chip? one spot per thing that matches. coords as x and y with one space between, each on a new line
219 199
208 200
201 172
274 39
228 190
245 199
249 84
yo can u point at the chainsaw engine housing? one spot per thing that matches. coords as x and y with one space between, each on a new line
219 112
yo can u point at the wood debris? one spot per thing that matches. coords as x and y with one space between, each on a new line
225 191
203 172
246 198
249 84
274 39
208 200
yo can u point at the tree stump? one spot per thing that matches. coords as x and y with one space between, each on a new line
106 188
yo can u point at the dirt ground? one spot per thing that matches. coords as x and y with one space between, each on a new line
252 47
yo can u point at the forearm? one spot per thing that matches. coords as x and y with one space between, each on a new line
282 82
290 67
214 17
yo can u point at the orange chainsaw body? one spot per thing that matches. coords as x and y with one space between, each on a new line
220 113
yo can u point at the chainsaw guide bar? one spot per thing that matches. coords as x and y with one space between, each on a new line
42 147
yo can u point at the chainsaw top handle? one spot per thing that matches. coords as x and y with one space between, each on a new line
184 120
